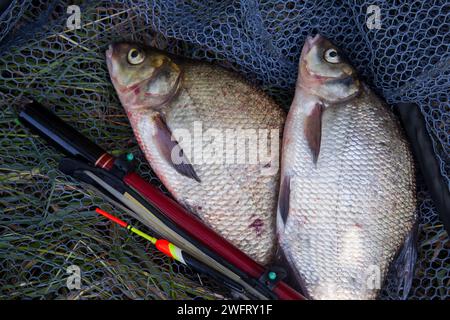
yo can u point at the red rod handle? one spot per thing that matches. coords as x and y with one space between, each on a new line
198 230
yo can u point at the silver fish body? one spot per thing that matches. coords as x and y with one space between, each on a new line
238 200
347 200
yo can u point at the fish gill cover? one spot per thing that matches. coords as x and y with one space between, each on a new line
47 221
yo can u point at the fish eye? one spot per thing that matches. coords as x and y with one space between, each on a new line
332 56
135 56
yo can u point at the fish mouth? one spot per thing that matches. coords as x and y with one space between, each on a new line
109 52
109 57
310 42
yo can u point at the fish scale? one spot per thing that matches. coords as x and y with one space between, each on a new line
246 197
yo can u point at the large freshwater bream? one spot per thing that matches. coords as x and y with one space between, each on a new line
347 195
162 95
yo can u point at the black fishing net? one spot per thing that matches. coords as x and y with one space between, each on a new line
47 223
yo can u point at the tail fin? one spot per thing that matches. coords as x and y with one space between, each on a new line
403 265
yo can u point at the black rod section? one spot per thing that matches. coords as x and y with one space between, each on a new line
50 127
422 147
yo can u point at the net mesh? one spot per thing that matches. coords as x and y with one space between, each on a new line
47 223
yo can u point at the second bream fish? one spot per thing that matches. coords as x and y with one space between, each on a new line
347 195
192 121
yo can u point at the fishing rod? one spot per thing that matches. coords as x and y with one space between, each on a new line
116 179
110 184
176 253
139 209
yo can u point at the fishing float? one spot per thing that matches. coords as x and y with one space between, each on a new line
176 253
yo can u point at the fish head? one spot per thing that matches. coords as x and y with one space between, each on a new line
143 77
325 72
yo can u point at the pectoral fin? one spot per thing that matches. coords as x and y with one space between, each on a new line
313 130
168 146
283 202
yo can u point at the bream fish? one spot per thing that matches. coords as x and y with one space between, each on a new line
178 110
347 196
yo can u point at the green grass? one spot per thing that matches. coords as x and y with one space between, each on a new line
47 219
